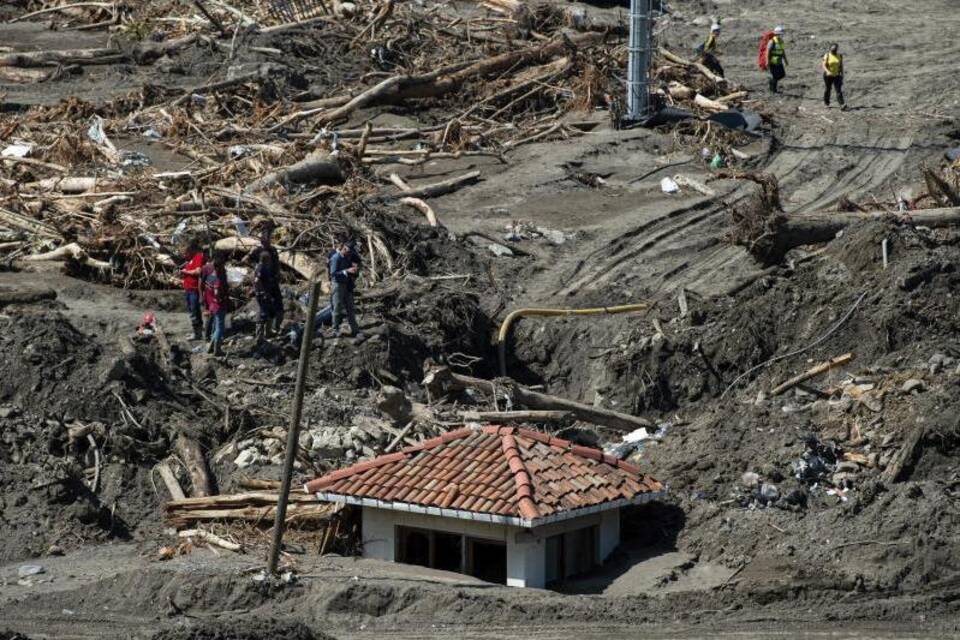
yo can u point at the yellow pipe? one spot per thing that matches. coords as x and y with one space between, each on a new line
516 314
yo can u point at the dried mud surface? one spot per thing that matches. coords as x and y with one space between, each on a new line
846 545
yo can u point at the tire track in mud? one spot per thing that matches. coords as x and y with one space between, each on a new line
663 251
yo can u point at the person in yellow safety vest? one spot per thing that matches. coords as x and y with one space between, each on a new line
833 75
708 54
776 58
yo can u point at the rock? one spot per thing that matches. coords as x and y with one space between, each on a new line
306 441
750 479
247 457
500 251
273 447
913 384
941 360
553 236
8 412
394 403
55 550
27 570
848 466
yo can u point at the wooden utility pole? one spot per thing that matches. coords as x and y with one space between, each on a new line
293 433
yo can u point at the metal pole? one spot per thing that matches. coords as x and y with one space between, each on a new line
293 433
638 62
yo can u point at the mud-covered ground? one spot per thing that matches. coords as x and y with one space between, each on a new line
829 509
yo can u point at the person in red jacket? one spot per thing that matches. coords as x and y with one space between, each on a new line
191 286
216 298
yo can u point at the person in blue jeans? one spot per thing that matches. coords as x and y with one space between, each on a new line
216 298
343 272
191 286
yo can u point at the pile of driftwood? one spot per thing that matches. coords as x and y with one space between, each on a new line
281 133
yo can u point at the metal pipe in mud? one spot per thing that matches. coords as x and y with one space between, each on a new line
516 314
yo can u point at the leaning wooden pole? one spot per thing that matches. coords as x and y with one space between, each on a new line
293 434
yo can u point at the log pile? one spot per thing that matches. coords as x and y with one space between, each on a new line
275 143
256 507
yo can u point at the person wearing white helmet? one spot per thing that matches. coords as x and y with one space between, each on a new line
776 58
708 50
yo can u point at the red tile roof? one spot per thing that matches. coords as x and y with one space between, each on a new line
502 471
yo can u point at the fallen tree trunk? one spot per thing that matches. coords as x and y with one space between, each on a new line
423 208
449 79
710 105
15 220
104 55
77 184
704 71
26 297
211 538
192 456
71 251
811 373
316 167
303 264
498 417
296 512
440 188
442 377
170 480
791 231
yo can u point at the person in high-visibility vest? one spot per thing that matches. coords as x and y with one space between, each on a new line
776 58
833 75
708 51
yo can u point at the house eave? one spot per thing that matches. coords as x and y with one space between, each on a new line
460 514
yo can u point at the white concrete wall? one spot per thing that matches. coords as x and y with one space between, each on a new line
379 530
609 532
526 561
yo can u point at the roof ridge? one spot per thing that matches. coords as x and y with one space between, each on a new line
526 505
587 452
379 461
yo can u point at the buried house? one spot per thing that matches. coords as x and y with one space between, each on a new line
504 504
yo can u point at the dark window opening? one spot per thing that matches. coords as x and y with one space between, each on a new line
414 546
484 559
488 561
448 551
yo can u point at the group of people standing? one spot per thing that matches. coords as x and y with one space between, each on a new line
207 288
773 58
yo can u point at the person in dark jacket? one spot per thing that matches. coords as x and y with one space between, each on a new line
267 256
343 273
266 288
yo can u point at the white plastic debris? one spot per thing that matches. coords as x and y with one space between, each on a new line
27 570
17 150
236 275
241 227
668 185
96 132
